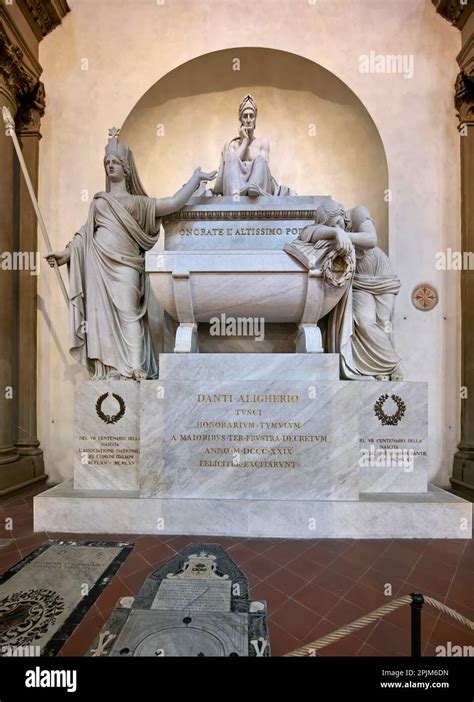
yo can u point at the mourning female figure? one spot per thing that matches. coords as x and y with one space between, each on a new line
108 287
360 326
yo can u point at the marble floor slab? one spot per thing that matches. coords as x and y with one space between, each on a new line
45 596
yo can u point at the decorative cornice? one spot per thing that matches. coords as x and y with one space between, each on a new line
19 70
43 15
455 11
222 215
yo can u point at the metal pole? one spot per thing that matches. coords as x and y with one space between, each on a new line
10 131
416 605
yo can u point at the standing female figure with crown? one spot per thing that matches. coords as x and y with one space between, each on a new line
108 287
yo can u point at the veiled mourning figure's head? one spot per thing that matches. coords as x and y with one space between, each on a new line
248 112
332 214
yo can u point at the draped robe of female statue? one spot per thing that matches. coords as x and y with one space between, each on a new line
359 328
108 288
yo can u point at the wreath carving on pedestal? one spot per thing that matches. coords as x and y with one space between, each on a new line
391 419
110 418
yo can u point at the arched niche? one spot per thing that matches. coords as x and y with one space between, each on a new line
322 139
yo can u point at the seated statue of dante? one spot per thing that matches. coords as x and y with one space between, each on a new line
359 328
108 288
244 168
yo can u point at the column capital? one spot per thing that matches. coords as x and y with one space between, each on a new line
19 69
30 111
464 98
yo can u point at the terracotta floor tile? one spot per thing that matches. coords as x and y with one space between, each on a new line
11 547
180 542
351 569
287 551
458 607
366 598
32 541
261 566
296 619
447 551
142 543
7 560
107 600
260 545
305 568
428 574
379 581
286 581
462 588
281 641
334 582
157 554
429 650
444 632
466 562
316 598
321 629
240 553
325 552
133 562
344 613
390 640
225 541
366 551
395 567
253 579
136 580
402 618
82 638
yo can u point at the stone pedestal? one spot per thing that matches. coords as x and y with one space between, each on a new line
258 445
106 435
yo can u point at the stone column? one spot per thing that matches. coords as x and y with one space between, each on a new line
19 79
462 480
8 391
28 131
22 26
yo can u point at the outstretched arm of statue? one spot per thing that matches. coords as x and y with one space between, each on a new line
61 257
317 232
167 205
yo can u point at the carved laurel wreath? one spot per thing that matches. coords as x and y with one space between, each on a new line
110 418
391 419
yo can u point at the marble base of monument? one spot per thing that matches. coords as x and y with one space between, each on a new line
435 514
258 445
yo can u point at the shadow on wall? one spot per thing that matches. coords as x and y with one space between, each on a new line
322 139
